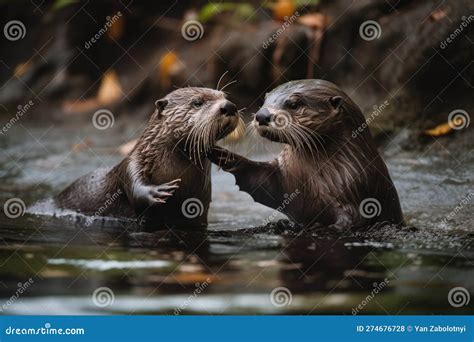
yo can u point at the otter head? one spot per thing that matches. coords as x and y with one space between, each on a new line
302 113
196 117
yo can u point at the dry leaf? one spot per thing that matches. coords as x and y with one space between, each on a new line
439 130
169 65
21 69
117 28
192 278
110 89
282 9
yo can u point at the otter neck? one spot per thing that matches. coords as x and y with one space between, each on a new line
329 153
159 144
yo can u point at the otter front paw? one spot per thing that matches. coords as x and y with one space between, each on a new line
227 160
147 196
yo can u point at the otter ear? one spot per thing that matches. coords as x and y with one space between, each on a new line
160 105
336 102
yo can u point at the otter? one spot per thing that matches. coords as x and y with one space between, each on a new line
166 177
339 178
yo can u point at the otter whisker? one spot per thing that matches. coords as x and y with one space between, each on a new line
220 79
228 84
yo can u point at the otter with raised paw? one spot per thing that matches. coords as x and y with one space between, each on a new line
166 177
338 177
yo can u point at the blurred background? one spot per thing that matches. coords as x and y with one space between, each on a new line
407 64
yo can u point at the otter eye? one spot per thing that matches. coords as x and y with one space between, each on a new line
292 104
197 103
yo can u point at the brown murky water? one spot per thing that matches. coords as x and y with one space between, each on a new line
232 267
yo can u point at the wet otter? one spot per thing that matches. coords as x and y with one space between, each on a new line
166 177
341 179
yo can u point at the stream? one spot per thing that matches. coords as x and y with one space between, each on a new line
235 266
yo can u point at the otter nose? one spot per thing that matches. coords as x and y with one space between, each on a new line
263 117
228 108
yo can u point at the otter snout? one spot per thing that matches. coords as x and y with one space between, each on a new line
228 108
263 117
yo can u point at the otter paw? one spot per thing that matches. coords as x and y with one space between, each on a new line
158 194
227 160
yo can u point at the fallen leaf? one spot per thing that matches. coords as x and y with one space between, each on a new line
282 9
439 130
169 65
21 69
116 30
193 278
110 89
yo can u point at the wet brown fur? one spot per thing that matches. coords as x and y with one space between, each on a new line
325 168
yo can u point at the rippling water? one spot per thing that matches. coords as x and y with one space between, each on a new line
232 267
